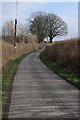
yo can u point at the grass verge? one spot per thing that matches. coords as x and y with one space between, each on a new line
8 73
62 72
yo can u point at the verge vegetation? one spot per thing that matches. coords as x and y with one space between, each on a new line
7 80
9 52
11 59
63 58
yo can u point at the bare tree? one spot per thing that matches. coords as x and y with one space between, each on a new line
47 25
55 26
21 32
8 31
37 25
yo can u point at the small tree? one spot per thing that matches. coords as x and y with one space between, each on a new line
8 31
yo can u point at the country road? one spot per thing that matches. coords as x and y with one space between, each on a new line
40 93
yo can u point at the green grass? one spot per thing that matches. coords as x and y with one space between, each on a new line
8 73
63 72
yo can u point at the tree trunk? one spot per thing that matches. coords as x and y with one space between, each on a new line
51 39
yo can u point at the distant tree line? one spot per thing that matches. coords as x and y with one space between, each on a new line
8 31
40 24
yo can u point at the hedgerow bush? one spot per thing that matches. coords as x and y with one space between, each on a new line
9 52
65 53
31 38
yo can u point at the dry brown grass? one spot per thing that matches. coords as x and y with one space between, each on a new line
31 39
9 52
0 54
65 53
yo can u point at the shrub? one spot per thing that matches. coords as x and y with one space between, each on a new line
65 53
31 39
9 52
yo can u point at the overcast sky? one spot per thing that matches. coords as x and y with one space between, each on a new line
68 11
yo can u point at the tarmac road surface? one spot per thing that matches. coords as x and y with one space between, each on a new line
40 93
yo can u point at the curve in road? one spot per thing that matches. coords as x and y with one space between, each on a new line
40 93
